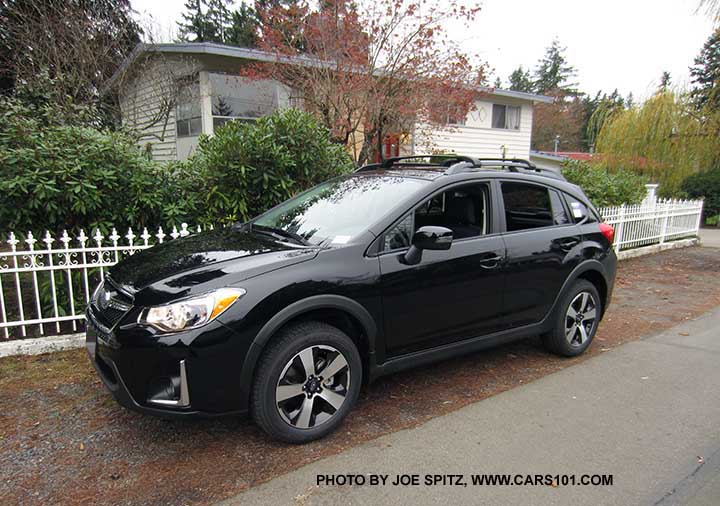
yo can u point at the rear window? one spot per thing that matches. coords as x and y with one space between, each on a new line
527 206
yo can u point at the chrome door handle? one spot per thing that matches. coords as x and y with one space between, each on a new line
490 263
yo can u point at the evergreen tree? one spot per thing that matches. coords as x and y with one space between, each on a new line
243 30
205 21
706 73
665 81
218 20
520 80
193 27
497 83
554 74
630 101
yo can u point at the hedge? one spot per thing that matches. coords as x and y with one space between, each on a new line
606 188
57 176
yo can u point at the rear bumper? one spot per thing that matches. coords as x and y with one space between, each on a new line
127 371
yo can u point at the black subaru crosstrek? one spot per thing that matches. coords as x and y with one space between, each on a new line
399 264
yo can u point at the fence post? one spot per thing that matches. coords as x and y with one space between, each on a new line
699 218
666 214
619 232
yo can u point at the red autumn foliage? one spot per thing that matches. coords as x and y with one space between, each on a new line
369 69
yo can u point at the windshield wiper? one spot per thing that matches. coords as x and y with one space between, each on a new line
279 233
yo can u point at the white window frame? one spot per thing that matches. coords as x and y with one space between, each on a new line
506 127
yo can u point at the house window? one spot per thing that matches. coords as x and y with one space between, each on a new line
237 99
506 116
456 115
187 113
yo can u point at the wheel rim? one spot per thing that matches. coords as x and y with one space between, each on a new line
312 387
580 319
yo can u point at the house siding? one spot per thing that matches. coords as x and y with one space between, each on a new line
147 105
143 96
477 137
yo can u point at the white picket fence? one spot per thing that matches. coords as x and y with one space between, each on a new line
653 222
44 289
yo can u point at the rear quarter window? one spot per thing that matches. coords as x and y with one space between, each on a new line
580 212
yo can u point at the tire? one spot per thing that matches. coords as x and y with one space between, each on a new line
576 320
310 405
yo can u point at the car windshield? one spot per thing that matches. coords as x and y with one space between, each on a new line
338 210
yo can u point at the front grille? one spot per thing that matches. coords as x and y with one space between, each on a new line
110 304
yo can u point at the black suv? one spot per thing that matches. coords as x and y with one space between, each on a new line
399 264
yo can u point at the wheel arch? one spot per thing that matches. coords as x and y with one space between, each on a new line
591 270
342 312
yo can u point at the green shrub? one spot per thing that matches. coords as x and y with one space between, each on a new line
57 176
71 177
605 188
246 168
705 185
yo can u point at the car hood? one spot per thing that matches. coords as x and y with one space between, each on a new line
195 264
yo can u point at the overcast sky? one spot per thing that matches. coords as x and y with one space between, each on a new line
624 44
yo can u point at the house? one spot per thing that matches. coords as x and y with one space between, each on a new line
173 93
546 160
556 159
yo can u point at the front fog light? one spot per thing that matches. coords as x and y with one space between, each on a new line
192 312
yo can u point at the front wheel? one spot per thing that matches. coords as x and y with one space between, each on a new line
576 320
307 381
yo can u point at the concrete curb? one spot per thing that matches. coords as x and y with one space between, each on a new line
38 345
657 248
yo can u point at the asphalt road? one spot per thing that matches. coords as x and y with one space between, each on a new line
647 412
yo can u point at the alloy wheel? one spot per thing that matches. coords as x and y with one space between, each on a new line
313 386
580 318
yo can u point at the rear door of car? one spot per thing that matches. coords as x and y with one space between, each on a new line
543 246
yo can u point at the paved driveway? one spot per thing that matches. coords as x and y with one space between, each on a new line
648 413
710 237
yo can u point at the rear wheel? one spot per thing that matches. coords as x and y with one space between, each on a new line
576 320
307 381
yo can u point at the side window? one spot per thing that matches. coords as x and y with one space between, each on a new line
580 210
560 216
463 209
527 206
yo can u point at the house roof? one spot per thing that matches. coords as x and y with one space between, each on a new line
576 155
210 48
551 157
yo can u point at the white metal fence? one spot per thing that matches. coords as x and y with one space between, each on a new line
653 222
45 283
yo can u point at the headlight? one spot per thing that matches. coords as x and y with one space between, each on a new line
191 313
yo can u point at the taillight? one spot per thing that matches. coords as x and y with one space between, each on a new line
608 232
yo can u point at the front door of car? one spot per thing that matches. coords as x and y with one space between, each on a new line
449 295
543 247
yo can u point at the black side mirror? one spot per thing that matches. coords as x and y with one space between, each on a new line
431 238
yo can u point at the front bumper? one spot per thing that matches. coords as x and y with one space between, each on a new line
131 361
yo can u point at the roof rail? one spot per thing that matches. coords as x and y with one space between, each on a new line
457 164
511 164
445 161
